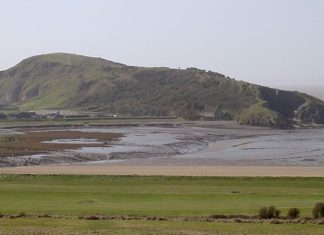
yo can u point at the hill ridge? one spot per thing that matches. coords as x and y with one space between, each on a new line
62 80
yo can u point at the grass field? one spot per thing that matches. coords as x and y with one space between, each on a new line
152 196
74 226
94 121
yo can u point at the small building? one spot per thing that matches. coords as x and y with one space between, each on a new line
208 114
214 113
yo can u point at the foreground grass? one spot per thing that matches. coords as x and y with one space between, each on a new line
74 226
164 196
153 196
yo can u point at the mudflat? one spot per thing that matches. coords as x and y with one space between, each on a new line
197 148
41 141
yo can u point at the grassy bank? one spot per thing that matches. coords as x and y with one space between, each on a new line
93 121
164 196
74 226
153 196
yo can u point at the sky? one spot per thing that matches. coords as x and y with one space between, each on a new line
277 43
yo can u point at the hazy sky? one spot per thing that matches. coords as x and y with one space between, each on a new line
270 42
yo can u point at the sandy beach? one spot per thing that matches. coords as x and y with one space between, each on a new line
273 171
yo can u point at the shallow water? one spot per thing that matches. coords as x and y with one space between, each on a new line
142 135
300 147
223 146
73 141
188 144
136 139
111 149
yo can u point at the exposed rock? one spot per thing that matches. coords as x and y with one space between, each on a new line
310 113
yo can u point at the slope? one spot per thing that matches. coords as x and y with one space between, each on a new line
78 82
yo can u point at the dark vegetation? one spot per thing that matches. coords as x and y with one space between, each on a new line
318 210
92 84
293 213
270 212
283 102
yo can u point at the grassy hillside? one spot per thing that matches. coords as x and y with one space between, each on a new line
79 82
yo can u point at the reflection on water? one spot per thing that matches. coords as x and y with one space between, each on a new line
73 141
233 146
301 147
112 149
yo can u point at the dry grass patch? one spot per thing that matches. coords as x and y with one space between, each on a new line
32 142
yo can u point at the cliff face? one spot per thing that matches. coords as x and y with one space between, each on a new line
310 113
72 81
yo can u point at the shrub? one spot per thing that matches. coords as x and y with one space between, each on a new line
268 212
273 212
92 217
318 210
293 213
263 213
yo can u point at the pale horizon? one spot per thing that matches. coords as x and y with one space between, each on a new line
272 43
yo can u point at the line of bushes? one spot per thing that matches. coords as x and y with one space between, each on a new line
272 212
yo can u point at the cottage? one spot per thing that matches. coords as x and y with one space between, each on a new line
214 113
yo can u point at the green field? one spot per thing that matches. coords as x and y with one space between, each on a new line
72 196
74 226
90 122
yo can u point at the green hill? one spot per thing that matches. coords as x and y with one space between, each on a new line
79 82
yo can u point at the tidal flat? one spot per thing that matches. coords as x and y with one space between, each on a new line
196 143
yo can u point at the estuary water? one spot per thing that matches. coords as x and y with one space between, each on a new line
202 144
213 146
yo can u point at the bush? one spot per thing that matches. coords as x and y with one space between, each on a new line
318 210
263 213
92 217
273 212
293 213
269 212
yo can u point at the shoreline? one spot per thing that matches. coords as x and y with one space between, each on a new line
226 171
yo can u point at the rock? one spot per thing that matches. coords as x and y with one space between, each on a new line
320 222
310 113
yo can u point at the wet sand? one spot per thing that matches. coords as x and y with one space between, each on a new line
252 171
199 149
